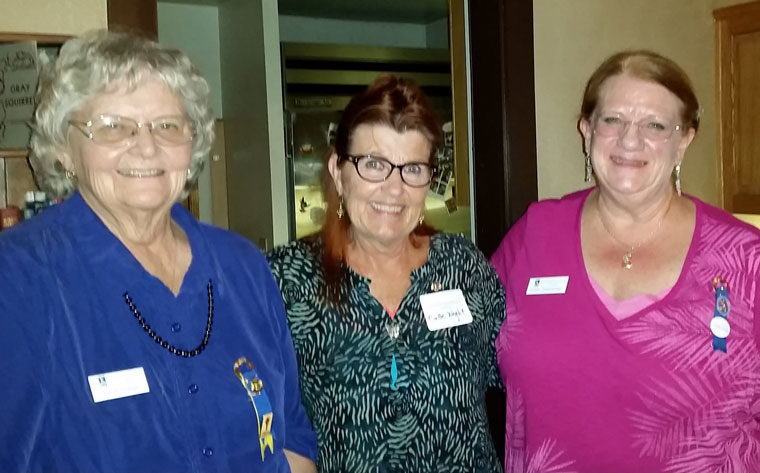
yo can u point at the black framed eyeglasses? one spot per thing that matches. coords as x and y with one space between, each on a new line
377 169
113 130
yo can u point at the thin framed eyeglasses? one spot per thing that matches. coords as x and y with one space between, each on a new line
650 128
377 169
113 130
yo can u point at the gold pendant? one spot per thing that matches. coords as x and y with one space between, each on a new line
627 259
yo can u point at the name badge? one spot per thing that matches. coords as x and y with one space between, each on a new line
445 309
118 384
547 285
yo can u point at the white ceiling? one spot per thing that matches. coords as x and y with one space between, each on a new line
396 11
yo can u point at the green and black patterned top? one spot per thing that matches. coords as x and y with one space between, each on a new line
435 420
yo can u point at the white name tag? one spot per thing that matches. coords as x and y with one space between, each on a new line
118 384
547 285
445 309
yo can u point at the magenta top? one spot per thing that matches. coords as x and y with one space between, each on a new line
587 392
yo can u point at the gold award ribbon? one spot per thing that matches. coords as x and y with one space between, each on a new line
262 407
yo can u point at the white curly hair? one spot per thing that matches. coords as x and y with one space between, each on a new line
85 66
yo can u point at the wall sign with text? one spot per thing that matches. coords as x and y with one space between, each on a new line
18 84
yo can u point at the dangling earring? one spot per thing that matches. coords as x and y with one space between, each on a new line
340 210
70 175
589 170
188 173
678 179
422 218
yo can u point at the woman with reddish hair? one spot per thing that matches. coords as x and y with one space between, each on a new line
633 339
393 323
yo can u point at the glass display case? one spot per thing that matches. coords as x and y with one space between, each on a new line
319 82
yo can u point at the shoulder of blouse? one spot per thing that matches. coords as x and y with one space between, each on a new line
459 252
448 245
305 249
718 216
297 264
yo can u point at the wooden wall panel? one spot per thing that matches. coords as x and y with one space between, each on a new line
738 59
747 113
139 16
19 180
503 116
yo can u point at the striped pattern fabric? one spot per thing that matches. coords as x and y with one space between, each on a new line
436 419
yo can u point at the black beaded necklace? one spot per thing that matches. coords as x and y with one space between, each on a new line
156 338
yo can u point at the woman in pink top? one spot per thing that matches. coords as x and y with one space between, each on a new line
632 337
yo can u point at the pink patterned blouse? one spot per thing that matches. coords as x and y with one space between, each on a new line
587 392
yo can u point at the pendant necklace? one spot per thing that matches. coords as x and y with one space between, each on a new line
627 260
393 328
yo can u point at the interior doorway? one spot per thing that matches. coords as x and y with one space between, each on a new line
331 52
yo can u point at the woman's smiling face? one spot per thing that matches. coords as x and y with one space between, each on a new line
141 174
382 213
629 162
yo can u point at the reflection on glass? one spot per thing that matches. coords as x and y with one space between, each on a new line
313 133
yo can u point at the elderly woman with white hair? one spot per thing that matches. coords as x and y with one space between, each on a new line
135 338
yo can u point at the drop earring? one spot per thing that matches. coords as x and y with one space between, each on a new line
340 212
422 219
70 175
678 179
589 169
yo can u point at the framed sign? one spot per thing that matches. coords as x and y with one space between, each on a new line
18 82
20 56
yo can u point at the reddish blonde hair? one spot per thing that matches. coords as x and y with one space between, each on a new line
392 101
649 66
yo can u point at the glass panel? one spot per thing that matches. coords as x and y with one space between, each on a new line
322 71
313 133
444 209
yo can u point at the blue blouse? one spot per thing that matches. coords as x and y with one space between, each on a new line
63 276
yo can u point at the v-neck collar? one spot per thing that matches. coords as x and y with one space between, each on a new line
609 319
417 276
108 256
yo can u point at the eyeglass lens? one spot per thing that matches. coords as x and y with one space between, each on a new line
377 169
650 128
112 130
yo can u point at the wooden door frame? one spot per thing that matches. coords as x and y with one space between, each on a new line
503 116
731 21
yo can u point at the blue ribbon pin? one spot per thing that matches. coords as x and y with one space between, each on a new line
719 325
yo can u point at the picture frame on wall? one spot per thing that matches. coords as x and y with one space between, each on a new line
20 57
18 83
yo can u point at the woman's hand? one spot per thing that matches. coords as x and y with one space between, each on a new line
299 463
